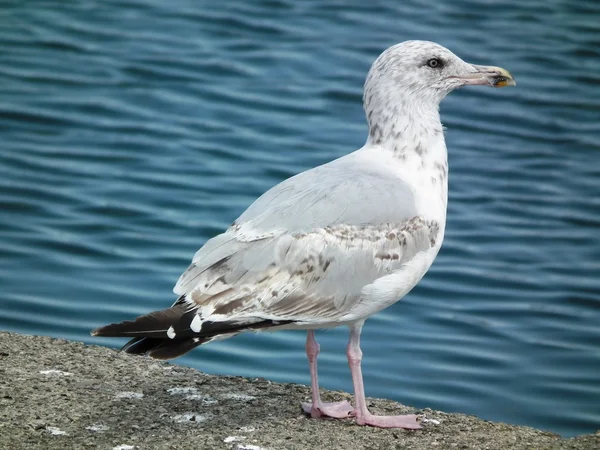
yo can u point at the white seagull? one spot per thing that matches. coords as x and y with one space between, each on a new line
335 244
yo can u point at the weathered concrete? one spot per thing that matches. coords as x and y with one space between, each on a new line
56 394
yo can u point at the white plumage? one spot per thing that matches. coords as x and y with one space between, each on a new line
337 243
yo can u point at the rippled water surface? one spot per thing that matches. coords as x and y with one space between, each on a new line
133 131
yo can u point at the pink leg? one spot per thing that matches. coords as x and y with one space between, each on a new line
363 416
337 410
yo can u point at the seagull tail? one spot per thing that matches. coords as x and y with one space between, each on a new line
151 334
162 348
167 334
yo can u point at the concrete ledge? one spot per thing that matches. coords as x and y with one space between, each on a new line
56 394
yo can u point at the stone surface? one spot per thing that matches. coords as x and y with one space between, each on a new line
56 394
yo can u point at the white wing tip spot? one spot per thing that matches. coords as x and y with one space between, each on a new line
171 332
196 324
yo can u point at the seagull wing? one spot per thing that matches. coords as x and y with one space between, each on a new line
304 251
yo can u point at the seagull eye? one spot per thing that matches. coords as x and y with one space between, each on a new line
434 63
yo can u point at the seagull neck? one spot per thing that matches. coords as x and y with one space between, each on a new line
405 128
414 138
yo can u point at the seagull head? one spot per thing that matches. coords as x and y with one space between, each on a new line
426 72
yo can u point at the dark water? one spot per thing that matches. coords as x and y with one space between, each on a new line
132 131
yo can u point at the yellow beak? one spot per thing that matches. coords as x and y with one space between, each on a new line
488 75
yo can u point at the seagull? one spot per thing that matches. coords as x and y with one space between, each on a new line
335 244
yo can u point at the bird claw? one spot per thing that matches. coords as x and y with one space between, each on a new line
335 410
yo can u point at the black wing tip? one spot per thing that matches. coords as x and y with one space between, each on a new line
167 334
154 324
97 331
162 349
121 329
101 331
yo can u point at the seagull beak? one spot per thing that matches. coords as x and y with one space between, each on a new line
487 75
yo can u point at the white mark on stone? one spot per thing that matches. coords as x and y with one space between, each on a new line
56 372
99 428
196 324
205 399
433 421
241 397
182 390
123 447
191 393
189 417
247 429
55 431
171 332
233 438
130 395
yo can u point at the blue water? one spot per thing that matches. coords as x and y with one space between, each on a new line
133 131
